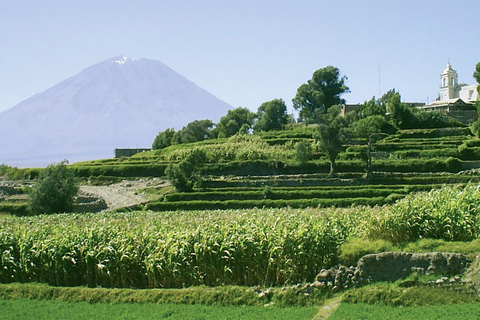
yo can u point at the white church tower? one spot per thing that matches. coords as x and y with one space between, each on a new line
449 78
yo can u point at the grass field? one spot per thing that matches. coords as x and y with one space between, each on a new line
359 311
44 309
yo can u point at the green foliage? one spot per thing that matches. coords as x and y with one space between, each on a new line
439 245
14 173
237 121
303 151
163 139
476 75
130 169
355 248
393 295
272 115
197 130
185 174
476 125
461 310
448 213
150 250
370 108
48 309
320 93
330 136
198 295
19 209
54 191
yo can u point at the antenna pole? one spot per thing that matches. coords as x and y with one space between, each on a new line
379 83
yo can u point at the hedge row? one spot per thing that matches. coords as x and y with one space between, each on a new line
434 133
14 208
436 153
282 194
268 203
244 168
120 170
432 180
469 153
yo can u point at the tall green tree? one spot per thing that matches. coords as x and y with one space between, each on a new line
163 139
330 136
54 191
272 115
186 173
371 129
197 130
320 93
476 125
371 107
476 75
236 121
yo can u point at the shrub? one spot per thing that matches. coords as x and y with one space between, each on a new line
303 151
54 191
185 174
469 152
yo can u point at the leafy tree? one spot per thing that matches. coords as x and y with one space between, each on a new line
197 130
371 107
387 95
401 114
163 139
272 115
330 136
185 174
303 151
476 75
370 128
320 93
236 121
54 190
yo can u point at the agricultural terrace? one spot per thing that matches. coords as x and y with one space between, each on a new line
259 217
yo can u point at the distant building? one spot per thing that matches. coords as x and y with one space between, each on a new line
346 108
457 99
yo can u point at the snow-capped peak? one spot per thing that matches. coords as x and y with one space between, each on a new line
122 60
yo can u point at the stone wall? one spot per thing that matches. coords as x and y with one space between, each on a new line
392 266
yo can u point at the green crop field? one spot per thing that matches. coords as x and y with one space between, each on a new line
43 309
259 220
348 311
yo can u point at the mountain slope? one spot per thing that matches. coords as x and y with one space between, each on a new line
118 103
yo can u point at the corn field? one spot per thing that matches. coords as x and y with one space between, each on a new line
266 247
151 250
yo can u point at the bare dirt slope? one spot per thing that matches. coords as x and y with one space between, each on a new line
125 193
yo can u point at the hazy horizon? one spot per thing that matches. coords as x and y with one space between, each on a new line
243 52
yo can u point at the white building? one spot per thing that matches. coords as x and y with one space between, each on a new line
455 98
451 89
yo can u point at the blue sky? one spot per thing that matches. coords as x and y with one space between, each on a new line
243 52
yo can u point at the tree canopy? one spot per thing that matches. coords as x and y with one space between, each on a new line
330 136
476 75
320 93
238 120
163 139
272 115
197 130
54 191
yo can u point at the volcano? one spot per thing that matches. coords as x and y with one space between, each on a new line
117 103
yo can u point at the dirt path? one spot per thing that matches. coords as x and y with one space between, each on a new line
329 307
125 193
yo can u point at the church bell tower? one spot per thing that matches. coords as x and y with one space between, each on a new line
449 82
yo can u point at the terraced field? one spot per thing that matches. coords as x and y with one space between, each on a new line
263 171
